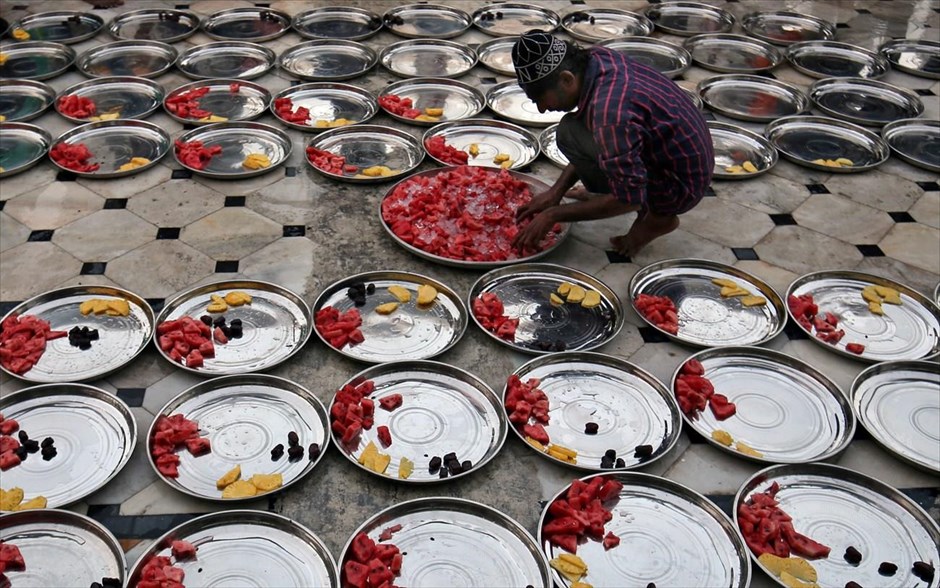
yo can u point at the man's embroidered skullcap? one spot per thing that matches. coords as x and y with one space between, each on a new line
537 54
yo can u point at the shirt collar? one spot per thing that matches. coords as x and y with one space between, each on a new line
587 83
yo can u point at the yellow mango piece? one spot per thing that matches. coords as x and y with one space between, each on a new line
753 301
340 122
561 456
473 150
240 489
555 300
87 306
890 295
387 308
563 450
875 308
229 477
376 171
401 293
571 567
535 444
592 298
746 449
734 169
3 59
574 560
217 307
368 454
749 167
33 503
100 306
500 157
580 584
267 482
10 499
120 306
405 468
390 172
723 437
842 161
723 282
870 294
727 292
380 463
212 118
434 111
506 164
256 161
564 288
792 581
237 298
426 118
795 566
321 124
426 295
20 34
576 294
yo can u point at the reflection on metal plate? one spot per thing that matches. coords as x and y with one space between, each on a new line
865 102
491 138
23 100
810 140
144 59
154 24
831 59
736 145
247 24
22 146
916 141
328 60
226 59
428 58
128 97
369 146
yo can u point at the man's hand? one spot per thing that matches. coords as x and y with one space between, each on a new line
540 202
529 238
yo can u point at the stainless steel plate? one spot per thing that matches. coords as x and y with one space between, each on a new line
154 24
444 409
121 338
427 21
916 141
914 56
509 101
831 59
411 332
909 331
22 145
786 28
478 545
459 100
94 432
898 403
669 59
786 409
114 142
62 26
694 97
733 53
840 508
328 101
247 546
277 324
365 146
247 24
248 103
62 548
337 22
36 60
129 97
670 535
428 58
804 139
524 290
23 100
689 18
549 146
735 145
630 406
496 55
244 417
238 140
507 20
328 60
226 59
705 318
752 98
491 137
865 102
597 24
144 59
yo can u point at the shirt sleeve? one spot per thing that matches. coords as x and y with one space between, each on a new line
620 156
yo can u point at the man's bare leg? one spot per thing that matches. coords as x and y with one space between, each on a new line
646 227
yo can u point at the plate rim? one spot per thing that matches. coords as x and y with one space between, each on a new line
367 51
284 18
553 18
764 142
81 62
876 58
891 129
269 55
41 135
392 88
891 44
114 24
820 86
771 131
495 42
483 122
543 139
681 52
501 89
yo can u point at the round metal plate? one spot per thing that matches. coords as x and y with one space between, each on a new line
916 141
524 290
458 100
496 55
752 98
328 59
365 146
238 140
831 59
705 318
733 53
444 409
154 24
94 432
62 548
491 137
630 406
144 59
597 24
426 21
689 18
248 103
36 60
246 24
337 22
898 403
804 139
121 338
669 59
329 102
786 409
549 147
251 547
509 20
694 97
62 26
914 56
670 535
735 145
907 331
277 324
226 59
23 100
842 508
428 58
22 146
411 332
244 417
509 101
786 28
114 142
479 546
129 97
865 102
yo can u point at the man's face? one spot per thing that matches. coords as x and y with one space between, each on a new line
562 96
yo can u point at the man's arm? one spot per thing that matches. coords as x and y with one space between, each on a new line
550 197
598 207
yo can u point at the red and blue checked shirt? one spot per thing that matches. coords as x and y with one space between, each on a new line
649 133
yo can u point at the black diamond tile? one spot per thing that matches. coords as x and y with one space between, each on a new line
870 250
794 332
188 126
709 191
902 217
41 235
164 233
745 253
9 305
862 11
115 203
923 92
65 176
132 396
2 204
615 257
782 219
290 171
295 82
725 502
577 1
767 74
525 169
651 335
182 7
156 304
929 186
263 4
488 80
20 7
817 189
181 174
226 267
294 231
654 1
93 268
842 25
234 201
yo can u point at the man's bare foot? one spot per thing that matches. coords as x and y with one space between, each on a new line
105 3
647 227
